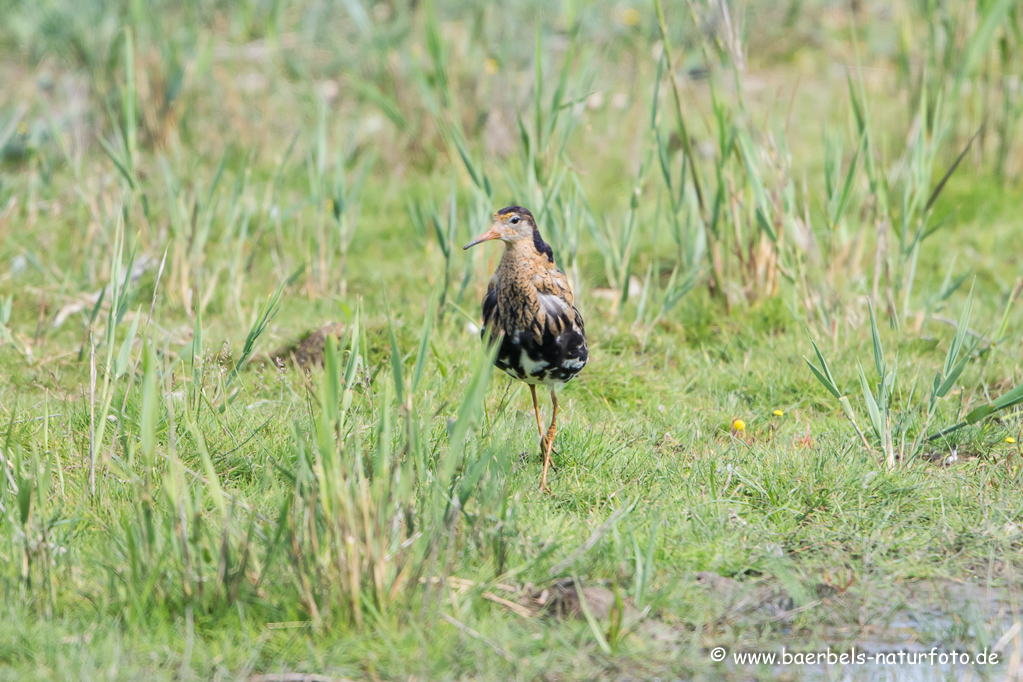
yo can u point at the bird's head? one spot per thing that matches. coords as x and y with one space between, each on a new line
512 224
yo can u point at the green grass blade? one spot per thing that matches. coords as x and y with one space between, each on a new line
875 336
872 408
130 111
980 39
850 178
1010 399
538 87
266 314
833 385
948 174
149 403
960 336
424 345
123 355
396 363
952 377
823 379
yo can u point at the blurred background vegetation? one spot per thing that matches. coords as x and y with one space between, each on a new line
788 142
185 186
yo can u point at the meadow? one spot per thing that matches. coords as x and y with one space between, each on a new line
247 427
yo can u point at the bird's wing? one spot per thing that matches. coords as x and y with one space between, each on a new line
555 283
555 296
557 335
491 320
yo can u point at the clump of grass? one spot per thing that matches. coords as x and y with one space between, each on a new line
446 232
973 52
120 299
744 220
369 517
182 543
338 194
899 432
192 212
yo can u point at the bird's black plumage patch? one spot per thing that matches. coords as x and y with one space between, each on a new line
489 306
517 209
542 247
556 357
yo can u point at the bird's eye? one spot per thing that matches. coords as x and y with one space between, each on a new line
515 220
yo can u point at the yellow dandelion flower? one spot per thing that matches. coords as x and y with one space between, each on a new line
630 17
22 128
738 425
1010 439
778 413
491 67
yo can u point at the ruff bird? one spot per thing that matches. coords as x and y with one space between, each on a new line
529 311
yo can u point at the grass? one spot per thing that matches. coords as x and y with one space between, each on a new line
185 188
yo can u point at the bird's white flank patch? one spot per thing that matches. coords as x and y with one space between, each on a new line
530 365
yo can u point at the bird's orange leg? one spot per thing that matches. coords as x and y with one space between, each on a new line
536 409
548 443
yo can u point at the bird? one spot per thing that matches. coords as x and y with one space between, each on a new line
529 310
